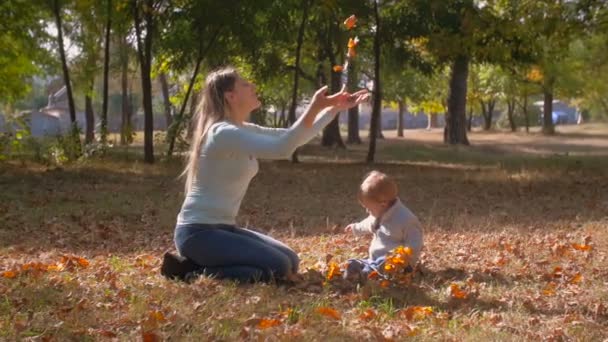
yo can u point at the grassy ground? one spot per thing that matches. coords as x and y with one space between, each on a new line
516 222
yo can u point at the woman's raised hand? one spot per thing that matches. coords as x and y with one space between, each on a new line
339 101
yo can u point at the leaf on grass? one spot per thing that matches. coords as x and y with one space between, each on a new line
157 316
549 290
368 314
148 336
580 247
9 274
329 312
417 312
456 292
577 278
333 271
266 323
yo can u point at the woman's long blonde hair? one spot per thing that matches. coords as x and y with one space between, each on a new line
211 109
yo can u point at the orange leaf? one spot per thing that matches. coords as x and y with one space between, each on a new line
404 251
456 292
157 316
9 274
149 336
353 42
373 275
83 262
549 290
385 283
389 267
350 22
334 271
338 68
417 312
352 53
266 323
368 315
580 247
329 312
577 278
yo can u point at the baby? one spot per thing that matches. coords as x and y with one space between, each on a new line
390 222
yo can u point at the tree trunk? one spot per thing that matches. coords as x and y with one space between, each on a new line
433 121
380 134
377 95
510 110
174 130
487 109
400 119
353 113
455 131
106 70
164 86
66 72
548 126
470 119
525 110
331 133
89 115
194 100
144 51
125 126
296 73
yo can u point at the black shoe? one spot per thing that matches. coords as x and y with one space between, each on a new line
177 267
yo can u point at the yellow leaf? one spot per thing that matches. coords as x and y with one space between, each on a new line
334 271
266 323
329 312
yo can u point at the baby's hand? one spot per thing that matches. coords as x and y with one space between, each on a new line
349 228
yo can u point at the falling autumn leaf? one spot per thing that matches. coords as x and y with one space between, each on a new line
266 323
338 68
329 312
350 22
352 45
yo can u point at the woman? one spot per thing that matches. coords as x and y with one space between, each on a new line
221 163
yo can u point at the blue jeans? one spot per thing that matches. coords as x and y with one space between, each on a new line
364 267
227 252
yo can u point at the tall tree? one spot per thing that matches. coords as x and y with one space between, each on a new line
106 71
145 27
57 13
377 93
296 73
